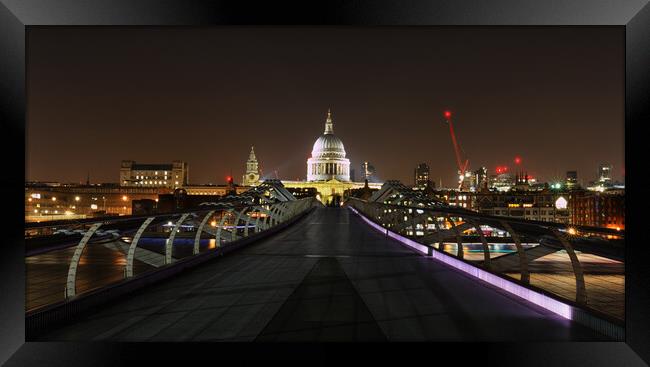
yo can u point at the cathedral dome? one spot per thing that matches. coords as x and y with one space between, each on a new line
328 146
328 160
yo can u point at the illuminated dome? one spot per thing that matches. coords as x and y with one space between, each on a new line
328 145
328 160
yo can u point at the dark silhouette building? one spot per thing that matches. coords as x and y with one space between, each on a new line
421 175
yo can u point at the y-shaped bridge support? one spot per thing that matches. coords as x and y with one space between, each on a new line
581 291
523 261
199 231
170 240
134 244
486 248
233 233
219 228
460 253
71 283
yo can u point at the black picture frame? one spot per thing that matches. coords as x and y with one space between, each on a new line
17 15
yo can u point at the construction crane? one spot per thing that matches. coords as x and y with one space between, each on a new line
461 160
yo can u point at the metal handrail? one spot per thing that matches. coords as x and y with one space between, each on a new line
476 215
412 221
228 232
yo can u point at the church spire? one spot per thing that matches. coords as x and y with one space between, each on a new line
329 125
251 156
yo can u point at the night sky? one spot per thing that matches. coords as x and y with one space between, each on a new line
553 96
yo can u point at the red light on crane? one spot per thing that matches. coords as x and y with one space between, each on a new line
517 160
229 179
461 161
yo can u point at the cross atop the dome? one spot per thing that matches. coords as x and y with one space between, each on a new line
329 125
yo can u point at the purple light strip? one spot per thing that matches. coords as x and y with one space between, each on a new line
537 298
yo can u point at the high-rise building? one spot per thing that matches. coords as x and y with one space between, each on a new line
604 173
353 176
571 179
502 181
172 175
480 178
421 175
252 175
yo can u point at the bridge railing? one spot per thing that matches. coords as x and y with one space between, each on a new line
86 256
581 265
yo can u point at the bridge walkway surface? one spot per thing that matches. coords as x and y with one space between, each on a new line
328 277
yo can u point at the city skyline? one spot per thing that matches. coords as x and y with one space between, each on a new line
155 95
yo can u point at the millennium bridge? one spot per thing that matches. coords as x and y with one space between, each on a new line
265 266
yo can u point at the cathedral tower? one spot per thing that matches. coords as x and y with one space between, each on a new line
252 175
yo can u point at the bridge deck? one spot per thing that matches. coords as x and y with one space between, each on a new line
327 277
